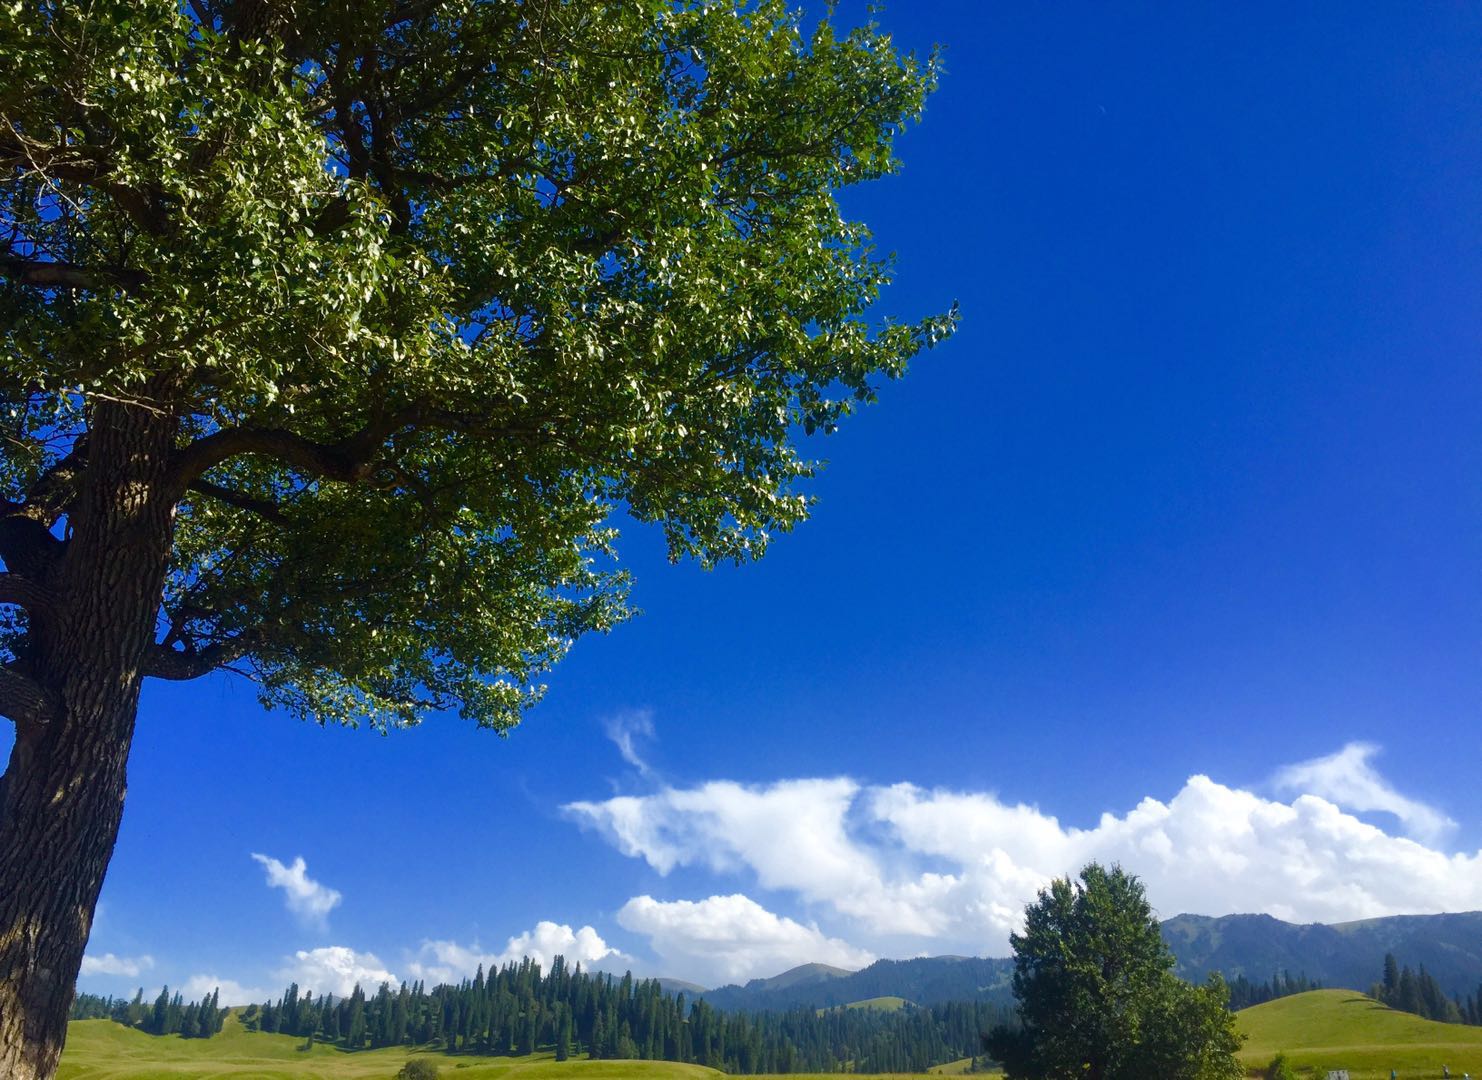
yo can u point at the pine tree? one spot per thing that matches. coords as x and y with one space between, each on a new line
597 1044
161 1014
1409 999
1391 979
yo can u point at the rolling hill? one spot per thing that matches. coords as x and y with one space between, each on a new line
103 1050
1338 1029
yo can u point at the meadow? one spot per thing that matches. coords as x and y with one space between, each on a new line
1318 1031
1342 1029
104 1050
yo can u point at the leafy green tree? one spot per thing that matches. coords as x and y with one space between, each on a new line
418 1069
335 334
1097 996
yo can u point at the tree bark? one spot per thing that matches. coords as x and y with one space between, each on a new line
62 795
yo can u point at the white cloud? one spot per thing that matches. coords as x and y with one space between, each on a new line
625 730
448 961
335 969
908 869
231 992
1347 779
308 899
731 938
129 967
791 833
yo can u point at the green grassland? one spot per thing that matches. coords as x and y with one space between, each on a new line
960 1068
1342 1029
103 1050
875 1004
1318 1031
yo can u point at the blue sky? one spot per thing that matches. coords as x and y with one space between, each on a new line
1192 494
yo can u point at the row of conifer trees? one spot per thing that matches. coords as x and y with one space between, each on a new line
1245 993
1418 992
519 1009
169 1015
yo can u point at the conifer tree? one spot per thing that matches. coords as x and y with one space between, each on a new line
159 1019
597 1045
563 1036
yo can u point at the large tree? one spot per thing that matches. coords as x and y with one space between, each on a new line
1097 996
336 332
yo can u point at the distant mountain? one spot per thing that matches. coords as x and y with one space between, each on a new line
679 986
925 981
802 975
1346 955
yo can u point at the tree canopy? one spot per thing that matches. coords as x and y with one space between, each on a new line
338 334
427 289
1097 995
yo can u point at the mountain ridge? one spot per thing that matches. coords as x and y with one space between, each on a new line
1348 955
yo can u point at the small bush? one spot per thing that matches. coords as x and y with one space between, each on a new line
1280 1069
418 1069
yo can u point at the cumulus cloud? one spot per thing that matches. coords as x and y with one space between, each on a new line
129 967
336 969
910 869
732 938
1347 779
448 961
626 730
308 899
230 991
791 833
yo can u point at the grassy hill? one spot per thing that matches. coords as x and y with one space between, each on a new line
877 1004
1322 1030
103 1050
880 1004
802 975
1339 1029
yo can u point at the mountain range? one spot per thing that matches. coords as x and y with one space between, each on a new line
1343 955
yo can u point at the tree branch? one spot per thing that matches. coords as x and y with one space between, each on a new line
329 460
23 592
52 493
349 460
263 508
27 546
83 165
26 701
182 665
43 274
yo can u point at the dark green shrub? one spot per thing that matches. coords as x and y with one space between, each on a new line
1280 1069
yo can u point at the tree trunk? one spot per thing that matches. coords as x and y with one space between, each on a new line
62 795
